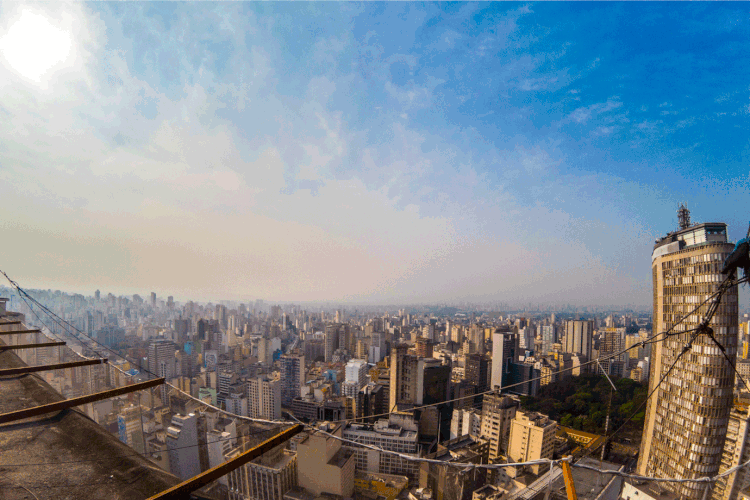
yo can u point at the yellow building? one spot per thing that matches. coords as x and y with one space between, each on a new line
532 437
380 486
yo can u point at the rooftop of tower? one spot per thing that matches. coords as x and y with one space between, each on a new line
691 234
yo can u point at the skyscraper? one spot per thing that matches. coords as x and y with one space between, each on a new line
161 357
611 346
504 347
264 397
477 371
578 337
292 377
497 413
686 419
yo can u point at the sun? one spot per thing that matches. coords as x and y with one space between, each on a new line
34 47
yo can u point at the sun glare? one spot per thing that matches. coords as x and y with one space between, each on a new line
34 47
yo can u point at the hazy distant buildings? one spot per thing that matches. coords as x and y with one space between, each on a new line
686 419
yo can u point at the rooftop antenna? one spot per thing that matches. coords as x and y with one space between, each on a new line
683 216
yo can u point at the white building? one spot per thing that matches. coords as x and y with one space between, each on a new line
356 372
236 400
219 444
466 422
264 398
182 446
397 434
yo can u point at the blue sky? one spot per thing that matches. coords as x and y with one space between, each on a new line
374 152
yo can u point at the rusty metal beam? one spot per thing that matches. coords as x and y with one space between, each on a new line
30 346
19 331
184 489
59 366
70 403
13 322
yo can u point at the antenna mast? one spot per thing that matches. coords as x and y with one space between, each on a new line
683 216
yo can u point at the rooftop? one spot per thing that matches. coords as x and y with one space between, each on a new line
66 455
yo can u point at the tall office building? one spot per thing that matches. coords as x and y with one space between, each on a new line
403 373
416 381
578 337
497 413
292 377
686 419
264 398
161 357
356 377
478 371
612 343
504 348
532 437
331 341
424 347
549 337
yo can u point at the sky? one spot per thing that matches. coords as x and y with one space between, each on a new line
367 153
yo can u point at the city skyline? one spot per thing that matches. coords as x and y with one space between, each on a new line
366 153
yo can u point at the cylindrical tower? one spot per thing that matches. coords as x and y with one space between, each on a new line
686 419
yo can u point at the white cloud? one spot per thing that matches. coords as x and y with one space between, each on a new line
583 114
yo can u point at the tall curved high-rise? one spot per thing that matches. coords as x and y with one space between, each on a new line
686 419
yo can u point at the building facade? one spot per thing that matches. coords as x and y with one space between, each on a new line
579 337
686 419
532 437
264 398
292 377
736 451
182 446
401 437
268 477
497 413
323 465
